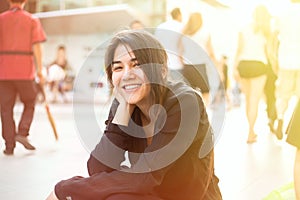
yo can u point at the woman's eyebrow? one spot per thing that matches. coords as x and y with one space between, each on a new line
117 61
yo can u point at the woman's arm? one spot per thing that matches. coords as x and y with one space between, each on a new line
212 56
180 47
109 152
124 110
237 56
210 50
37 51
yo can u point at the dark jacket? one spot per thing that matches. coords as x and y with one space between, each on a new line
177 165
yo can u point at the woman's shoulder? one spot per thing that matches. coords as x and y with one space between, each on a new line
179 88
180 91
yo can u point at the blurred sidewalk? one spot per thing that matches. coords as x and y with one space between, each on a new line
246 172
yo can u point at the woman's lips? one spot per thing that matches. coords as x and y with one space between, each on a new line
130 87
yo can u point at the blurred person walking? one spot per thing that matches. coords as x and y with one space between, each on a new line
288 83
272 71
198 56
168 33
21 35
251 64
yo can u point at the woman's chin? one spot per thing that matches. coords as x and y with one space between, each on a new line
133 100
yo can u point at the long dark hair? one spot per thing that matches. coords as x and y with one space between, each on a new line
149 53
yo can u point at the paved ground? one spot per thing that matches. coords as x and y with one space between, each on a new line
246 172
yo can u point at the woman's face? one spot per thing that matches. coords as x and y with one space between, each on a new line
128 78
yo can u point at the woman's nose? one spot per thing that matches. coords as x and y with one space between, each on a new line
128 73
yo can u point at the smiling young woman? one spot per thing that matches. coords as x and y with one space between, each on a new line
162 125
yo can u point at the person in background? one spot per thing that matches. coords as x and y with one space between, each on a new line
170 151
288 83
272 70
223 84
136 25
169 33
197 55
224 70
251 64
59 72
21 35
293 138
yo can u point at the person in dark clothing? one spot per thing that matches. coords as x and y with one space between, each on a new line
170 150
269 91
21 35
272 70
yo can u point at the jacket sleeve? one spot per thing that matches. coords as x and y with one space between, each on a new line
147 173
109 152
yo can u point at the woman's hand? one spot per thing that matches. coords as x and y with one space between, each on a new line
124 110
236 74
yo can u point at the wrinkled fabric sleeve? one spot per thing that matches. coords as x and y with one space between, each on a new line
149 171
109 152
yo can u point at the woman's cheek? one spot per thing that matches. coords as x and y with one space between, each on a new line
115 79
140 73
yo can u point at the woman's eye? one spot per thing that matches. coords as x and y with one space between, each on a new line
136 65
116 68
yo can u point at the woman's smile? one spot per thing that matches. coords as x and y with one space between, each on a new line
131 87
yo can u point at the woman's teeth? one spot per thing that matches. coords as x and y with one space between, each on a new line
130 87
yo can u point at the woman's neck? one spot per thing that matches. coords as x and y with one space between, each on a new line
145 117
145 106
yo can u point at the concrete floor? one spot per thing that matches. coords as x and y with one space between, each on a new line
246 172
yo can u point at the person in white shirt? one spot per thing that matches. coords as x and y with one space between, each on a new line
288 83
198 57
168 34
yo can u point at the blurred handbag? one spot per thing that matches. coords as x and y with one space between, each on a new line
286 192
